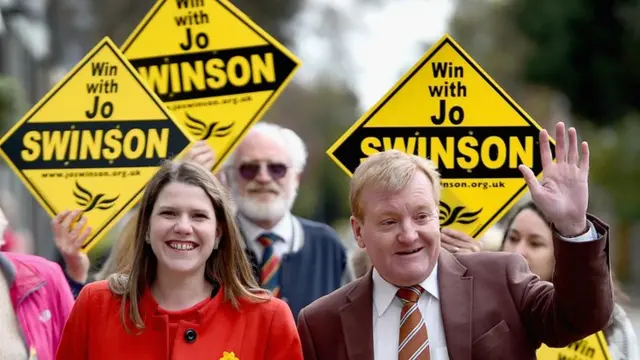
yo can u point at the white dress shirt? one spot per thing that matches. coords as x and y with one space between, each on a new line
386 317
287 228
387 309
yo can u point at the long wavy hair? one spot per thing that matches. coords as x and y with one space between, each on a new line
227 265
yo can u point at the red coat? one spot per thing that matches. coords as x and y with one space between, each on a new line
254 332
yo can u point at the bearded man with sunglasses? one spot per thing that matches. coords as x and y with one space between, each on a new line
298 259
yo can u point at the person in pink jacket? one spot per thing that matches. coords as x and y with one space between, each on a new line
35 302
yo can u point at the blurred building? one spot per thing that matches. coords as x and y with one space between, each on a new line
40 40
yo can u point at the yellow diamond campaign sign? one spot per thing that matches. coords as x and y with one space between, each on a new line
94 140
448 109
593 347
214 68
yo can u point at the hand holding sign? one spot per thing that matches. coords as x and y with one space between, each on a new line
69 238
202 154
563 194
456 241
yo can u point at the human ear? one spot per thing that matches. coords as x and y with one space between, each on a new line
356 227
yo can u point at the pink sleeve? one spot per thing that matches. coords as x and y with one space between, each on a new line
63 300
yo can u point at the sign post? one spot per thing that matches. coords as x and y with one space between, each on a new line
214 68
94 141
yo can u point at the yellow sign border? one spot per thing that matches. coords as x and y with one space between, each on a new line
97 234
444 40
251 25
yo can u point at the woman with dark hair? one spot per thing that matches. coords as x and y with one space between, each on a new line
529 233
189 293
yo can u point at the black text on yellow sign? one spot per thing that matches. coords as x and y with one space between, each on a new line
488 152
94 140
447 109
216 70
593 347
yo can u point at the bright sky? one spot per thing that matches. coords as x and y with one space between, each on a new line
382 42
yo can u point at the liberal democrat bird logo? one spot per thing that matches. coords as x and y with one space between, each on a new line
203 131
448 216
99 201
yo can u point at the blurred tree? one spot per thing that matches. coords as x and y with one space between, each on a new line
588 50
614 163
273 16
320 111
614 169
319 114
118 18
12 103
333 104
538 52
500 49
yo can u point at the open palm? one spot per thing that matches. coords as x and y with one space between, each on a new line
563 193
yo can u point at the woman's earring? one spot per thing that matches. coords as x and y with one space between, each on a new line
147 239
216 242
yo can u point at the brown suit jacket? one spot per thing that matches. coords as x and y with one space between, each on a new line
492 306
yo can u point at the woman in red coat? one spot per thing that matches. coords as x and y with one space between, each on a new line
190 293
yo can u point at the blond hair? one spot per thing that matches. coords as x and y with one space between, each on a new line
227 265
390 170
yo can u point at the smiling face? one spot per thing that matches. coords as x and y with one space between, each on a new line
182 228
400 230
265 185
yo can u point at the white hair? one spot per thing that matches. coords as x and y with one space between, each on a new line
287 138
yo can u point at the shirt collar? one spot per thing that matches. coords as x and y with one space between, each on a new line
384 292
252 231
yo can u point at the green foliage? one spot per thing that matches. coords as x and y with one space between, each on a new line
273 16
12 103
330 109
117 18
589 50
568 48
614 163
494 45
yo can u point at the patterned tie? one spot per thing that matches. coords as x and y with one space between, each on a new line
413 343
269 270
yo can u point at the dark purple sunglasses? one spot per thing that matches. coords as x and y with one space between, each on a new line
249 171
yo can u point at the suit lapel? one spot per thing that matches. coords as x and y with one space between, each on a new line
456 296
357 321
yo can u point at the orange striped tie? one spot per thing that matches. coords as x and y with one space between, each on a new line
269 278
413 343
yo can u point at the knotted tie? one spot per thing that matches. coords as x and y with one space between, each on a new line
270 267
413 342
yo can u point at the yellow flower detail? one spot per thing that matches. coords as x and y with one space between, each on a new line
228 356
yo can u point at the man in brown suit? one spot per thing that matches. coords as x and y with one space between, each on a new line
421 302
